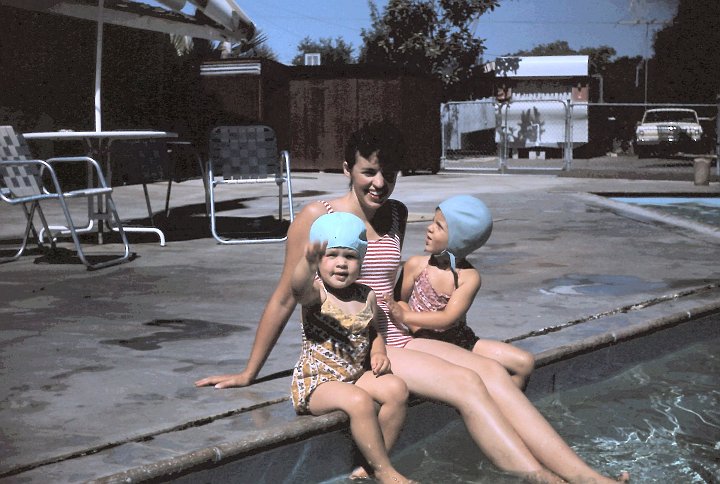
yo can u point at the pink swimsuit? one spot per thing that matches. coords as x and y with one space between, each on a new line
424 298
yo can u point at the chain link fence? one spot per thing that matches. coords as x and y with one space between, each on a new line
547 134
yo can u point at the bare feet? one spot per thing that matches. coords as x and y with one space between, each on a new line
392 477
624 476
542 477
359 474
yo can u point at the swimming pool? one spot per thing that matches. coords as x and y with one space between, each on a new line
659 420
434 447
703 209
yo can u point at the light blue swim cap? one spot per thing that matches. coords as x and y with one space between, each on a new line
469 225
340 229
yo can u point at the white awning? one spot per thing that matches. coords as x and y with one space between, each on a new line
221 20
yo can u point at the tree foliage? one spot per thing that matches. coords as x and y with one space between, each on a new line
332 52
432 37
624 82
686 64
559 47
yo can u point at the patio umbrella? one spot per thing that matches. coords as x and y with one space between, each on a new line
221 20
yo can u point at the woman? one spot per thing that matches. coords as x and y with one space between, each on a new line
502 421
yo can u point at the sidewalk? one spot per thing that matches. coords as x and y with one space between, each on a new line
98 367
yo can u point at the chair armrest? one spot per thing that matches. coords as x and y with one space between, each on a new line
5 194
44 165
87 159
22 162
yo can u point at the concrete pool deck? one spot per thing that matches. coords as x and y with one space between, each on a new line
98 367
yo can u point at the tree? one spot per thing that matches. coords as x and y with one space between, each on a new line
339 53
559 47
432 37
686 64
623 83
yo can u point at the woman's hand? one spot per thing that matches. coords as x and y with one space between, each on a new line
226 381
380 363
397 312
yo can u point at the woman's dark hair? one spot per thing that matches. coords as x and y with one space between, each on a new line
381 136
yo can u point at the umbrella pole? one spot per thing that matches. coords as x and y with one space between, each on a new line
98 66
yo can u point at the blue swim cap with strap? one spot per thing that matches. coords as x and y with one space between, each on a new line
469 225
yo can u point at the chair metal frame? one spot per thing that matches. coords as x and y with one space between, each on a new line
6 195
152 164
23 179
247 155
174 148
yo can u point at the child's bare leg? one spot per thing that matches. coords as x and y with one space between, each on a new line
519 362
392 394
364 426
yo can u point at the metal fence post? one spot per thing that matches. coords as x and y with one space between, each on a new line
503 138
567 151
717 137
443 145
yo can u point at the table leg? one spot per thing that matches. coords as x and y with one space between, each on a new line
105 153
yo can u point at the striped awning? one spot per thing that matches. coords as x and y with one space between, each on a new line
221 20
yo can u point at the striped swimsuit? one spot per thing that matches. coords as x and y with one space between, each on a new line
379 270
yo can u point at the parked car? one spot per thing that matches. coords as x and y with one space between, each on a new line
667 131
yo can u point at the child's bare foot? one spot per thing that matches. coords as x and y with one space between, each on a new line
392 477
542 477
624 476
360 473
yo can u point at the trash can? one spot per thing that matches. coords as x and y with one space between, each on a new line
702 171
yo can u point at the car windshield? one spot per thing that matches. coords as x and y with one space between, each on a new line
665 116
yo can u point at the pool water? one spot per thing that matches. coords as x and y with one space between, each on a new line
700 209
658 420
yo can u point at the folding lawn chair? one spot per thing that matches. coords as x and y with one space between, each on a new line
247 155
23 180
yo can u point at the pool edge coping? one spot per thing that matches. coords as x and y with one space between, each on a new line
307 427
644 214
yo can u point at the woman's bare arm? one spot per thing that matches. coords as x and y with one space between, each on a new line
279 307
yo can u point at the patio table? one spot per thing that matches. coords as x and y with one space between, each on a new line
98 144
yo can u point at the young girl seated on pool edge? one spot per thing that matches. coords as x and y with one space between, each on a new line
337 315
436 291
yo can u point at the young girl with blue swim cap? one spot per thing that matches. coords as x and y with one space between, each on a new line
337 316
437 290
